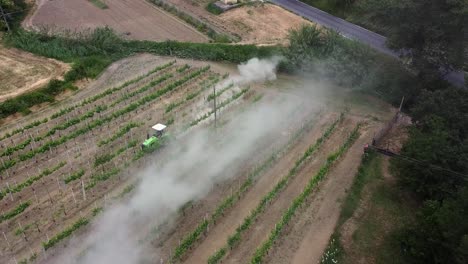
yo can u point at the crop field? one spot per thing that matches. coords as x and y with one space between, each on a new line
135 19
60 166
67 165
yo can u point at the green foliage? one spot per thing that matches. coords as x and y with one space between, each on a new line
339 8
99 4
101 177
16 211
65 233
13 8
97 211
439 234
345 62
188 241
19 231
173 105
438 138
214 9
433 42
75 176
333 252
126 190
370 167
183 68
90 53
221 105
102 159
203 51
30 180
220 92
124 130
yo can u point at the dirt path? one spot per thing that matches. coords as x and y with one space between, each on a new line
218 235
22 71
307 238
267 221
136 19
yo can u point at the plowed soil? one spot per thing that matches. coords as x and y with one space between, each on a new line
136 19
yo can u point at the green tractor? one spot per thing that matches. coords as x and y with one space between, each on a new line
158 139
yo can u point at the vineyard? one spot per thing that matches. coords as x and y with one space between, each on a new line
56 170
64 168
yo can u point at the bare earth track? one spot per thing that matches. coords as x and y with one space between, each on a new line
136 19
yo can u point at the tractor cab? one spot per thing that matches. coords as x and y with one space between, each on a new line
154 141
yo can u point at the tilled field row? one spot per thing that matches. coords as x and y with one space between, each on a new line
44 197
218 235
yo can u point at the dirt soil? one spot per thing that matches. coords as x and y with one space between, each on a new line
56 205
305 240
259 24
136 19
22 71
218 235
262 24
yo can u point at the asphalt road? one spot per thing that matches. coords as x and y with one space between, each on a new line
351 31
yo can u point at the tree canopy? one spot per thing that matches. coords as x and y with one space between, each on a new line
431 34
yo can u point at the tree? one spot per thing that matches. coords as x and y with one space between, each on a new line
13 10
440 234
430 33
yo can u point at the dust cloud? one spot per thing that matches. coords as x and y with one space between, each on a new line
184 170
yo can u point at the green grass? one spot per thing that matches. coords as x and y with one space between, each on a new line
99 4
369 170
375 237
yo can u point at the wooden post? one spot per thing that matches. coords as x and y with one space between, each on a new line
6 239
83 189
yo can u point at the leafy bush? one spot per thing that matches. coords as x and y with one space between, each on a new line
214 9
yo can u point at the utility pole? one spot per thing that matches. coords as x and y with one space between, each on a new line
214 100
4 18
